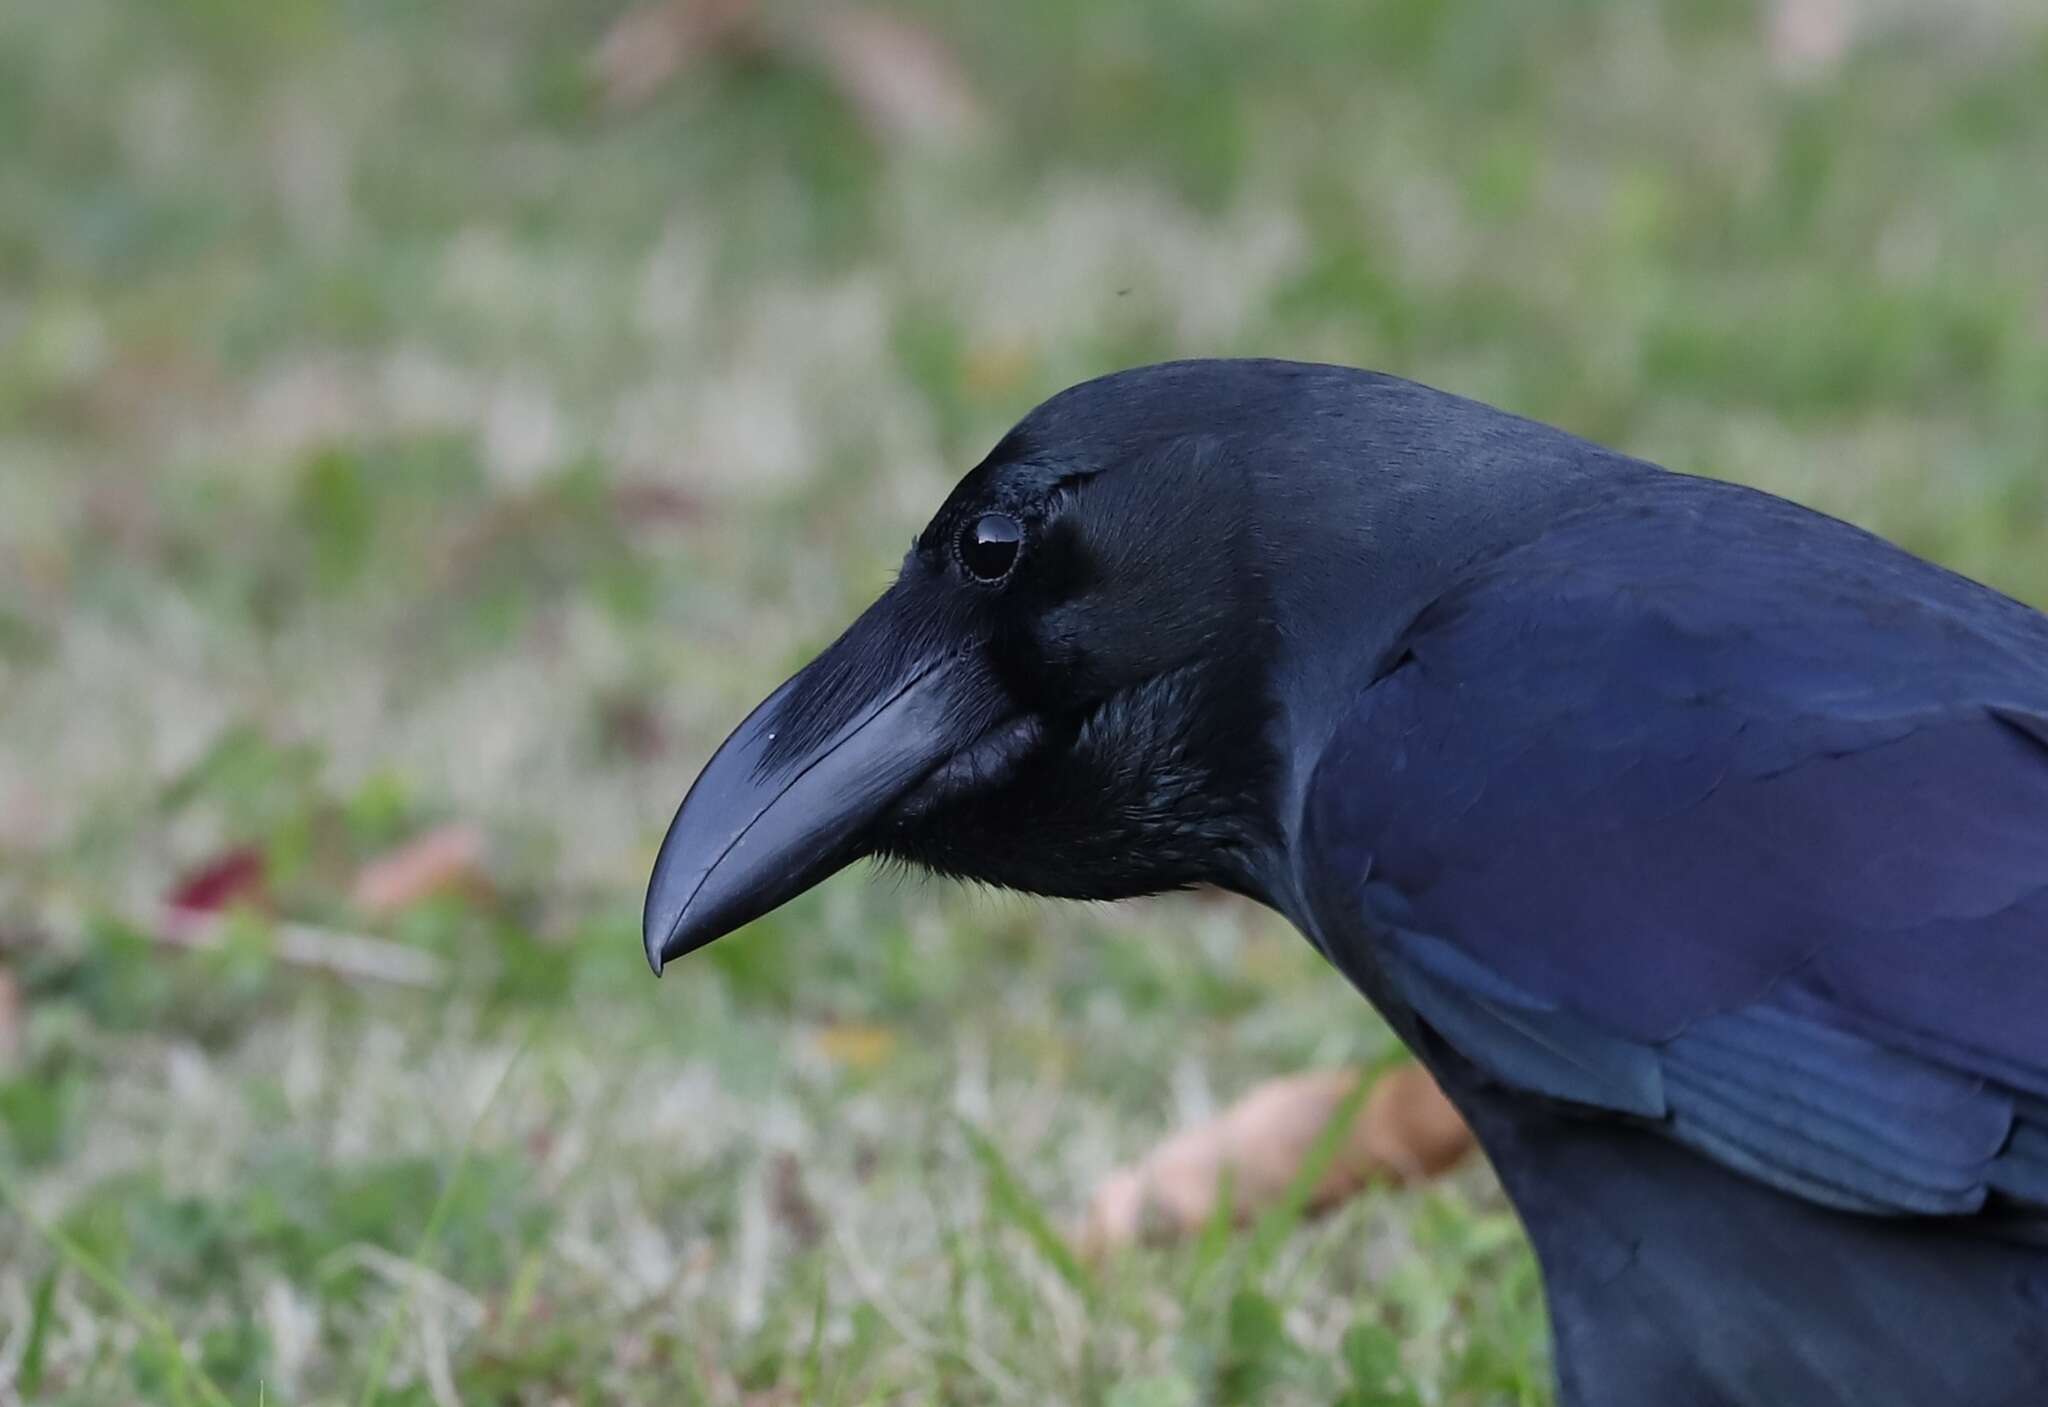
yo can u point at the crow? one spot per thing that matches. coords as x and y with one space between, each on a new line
1697 842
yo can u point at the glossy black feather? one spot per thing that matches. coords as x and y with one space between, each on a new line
1674 1281
1751 810
1728 757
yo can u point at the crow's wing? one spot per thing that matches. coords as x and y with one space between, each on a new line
1730 818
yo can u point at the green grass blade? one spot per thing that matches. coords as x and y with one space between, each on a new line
184 1373
387 1341
1278 1221
814 1352
1214 1242
1016 1206
29 1377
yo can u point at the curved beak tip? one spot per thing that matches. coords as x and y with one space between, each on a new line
662 920
756 830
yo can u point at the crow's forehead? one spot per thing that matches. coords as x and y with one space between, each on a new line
1121 419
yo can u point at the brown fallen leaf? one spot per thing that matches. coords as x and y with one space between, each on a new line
1808 39
900 77
644 504
195 916
902 80
650 44
1406 1131
793 1206
10 1019
628 726
440 861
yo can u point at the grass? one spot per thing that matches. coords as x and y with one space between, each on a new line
391 434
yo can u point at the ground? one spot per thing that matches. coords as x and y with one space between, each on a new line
419 420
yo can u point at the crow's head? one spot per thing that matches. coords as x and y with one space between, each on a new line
1065 691
1111 655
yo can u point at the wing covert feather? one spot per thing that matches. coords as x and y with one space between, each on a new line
1733 821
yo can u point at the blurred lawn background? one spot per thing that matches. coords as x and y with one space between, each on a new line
424 429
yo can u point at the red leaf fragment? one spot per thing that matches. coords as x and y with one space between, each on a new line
233 877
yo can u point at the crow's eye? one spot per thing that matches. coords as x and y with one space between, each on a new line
989 546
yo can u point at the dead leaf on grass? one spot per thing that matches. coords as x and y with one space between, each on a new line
905 83
448 859
10 1019
1808 39
902 80
1406 1131
650 44
793 1206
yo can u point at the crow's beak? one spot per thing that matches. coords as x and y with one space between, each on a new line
764 823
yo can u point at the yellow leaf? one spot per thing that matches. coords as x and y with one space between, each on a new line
857 1045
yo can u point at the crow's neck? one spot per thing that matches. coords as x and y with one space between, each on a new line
1385 520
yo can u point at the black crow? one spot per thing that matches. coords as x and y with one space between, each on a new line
1696 841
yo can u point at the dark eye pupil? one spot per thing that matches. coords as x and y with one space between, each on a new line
989 546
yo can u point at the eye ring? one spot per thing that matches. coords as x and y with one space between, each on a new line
989 546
